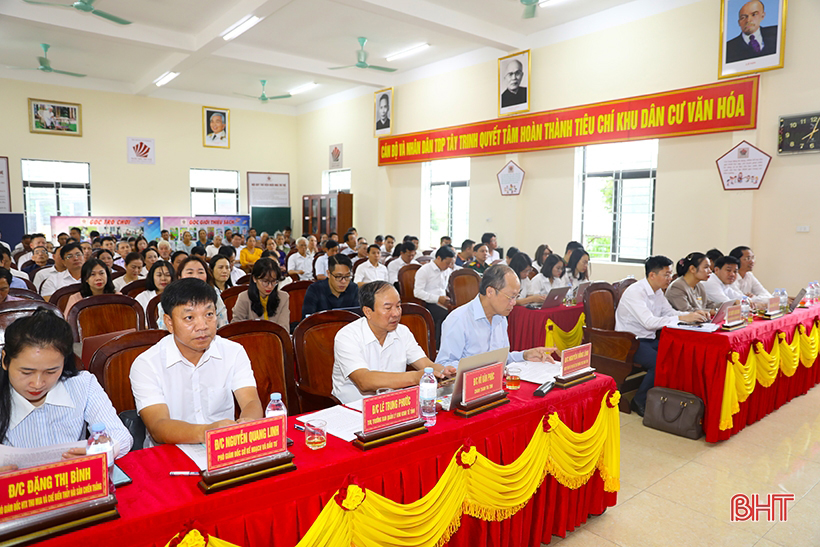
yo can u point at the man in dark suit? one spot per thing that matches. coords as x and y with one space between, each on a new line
754 40
515 93
384 113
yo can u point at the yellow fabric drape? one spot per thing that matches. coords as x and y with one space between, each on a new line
564 340
762 367
195 539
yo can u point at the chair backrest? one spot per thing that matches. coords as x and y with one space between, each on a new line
105 313
407 280
26 293
389 260
112 361
622 285
18 254
229 297
12 311
61 295
533 273
152 312
271 353
25 264
424 259
420 322
313 348
296 293
115 269
358 263
600 301
244 280
315 258
463 286
428 252
116 274
134 288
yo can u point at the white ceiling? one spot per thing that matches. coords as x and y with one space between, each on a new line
296 42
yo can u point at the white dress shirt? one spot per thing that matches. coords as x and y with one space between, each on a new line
526 287
542 284
321 266
367 272
200 393
493 257
43 274
28 256
643 311
356 347
211 251
144 298
717 291
120 282
18 273
750 285
236 275
304 263
431 282
394 267
57 281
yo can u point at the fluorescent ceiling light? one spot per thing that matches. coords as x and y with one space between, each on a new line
165 78
303 88
240 26
407 52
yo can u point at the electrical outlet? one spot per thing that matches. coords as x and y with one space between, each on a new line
802 229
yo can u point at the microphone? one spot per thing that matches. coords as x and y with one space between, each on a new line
544 388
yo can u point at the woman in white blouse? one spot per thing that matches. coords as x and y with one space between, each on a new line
522 265
159 277
133 267
551 276
577 268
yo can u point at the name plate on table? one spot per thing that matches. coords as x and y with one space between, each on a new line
49 499
734 315
576 366
773 305
481 382
390 417
243 452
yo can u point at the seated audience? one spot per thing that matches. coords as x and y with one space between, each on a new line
88 251
44 399
149 256
123 250
522 265
282 244
229 252
577 268
37 240
713 255
105 255
571 246
331 249
551 276
160 276
300 263
686 293
214 247
374 352
133 271
5 284
95 280
141 244
195 267
46 272
746 281
237 242
177 258
389 243
186 243
199 251
72 256
17 276
312 246
511 252
202 238
479 261
165 250
719 287
221 269
491 242
431 286
466 253
264 299
185 385
643 310
481 325
361 252
349 247
407 253
62 239
334 292
289 241
372 270
249 255
541 254
39 259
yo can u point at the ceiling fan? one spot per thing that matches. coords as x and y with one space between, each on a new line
86 6
264 97
45 65
530 7
361 55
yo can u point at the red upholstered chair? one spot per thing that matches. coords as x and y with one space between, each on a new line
12 311
115 269
389 260
61 296
116 274
244 280
313 347
271 353
315 258
134 288
420 322
424 259
26 293
407 280
152 312
229 297
105 313
357 264
462 286
428 252
296 292
622 285
29 284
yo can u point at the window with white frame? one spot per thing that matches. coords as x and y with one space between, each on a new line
617 196
336 180
54 188
445 208
214 192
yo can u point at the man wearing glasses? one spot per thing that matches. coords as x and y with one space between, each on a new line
481 325
73 259
334 292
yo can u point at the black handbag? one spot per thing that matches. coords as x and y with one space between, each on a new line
675 412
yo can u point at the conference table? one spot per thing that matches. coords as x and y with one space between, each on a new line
278 511
526 327
698 363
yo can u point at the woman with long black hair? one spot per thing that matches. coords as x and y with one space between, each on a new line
263 299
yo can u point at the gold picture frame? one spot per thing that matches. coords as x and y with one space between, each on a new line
737 55
510 100
212 135
55 117
383 127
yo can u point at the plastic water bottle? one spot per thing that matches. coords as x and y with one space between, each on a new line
815 292
744 308
276 407
784 301
427 397
810 293
100 443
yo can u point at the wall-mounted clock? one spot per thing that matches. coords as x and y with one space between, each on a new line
799 133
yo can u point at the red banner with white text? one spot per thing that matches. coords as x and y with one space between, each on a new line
712 108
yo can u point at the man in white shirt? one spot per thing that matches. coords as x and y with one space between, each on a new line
332 248
491 241
312 246
17 276
746 283
349 247
300 263
72 257
719 287
431 286
236 241
37 240
185 385
389 242
643 310
408 253
123 248
213 248
165 250
373 352
47 271
371 270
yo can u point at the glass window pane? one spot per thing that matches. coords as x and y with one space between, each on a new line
226 204
41 205
73 202
56 171
635 237
202 203
597 216
214 178
450 170
336 180
439 212
622 156
461 215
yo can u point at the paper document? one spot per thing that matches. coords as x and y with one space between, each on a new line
341 422
702 327
32 457
356 405
197 452
537 373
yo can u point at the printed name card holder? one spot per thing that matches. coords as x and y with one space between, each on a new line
390 417
482 390
44 501
734 319
772 310
241 453
576 366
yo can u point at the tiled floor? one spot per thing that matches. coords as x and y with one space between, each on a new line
677 492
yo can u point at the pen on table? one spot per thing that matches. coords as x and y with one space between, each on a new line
299 427
184 473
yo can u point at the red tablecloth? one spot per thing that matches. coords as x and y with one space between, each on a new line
279 510
696 362
527 328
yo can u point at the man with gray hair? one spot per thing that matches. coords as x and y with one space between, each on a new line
515 94
217 134
300 263
481 325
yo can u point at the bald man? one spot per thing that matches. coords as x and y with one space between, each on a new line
515 94
753 40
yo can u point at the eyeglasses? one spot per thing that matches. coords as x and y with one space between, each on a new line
267 282
341 278
72 256
508 297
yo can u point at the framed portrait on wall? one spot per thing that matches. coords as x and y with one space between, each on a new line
55 118
383 105
216 127
752 36
513 83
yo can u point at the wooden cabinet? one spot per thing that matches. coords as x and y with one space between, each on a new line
325 213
